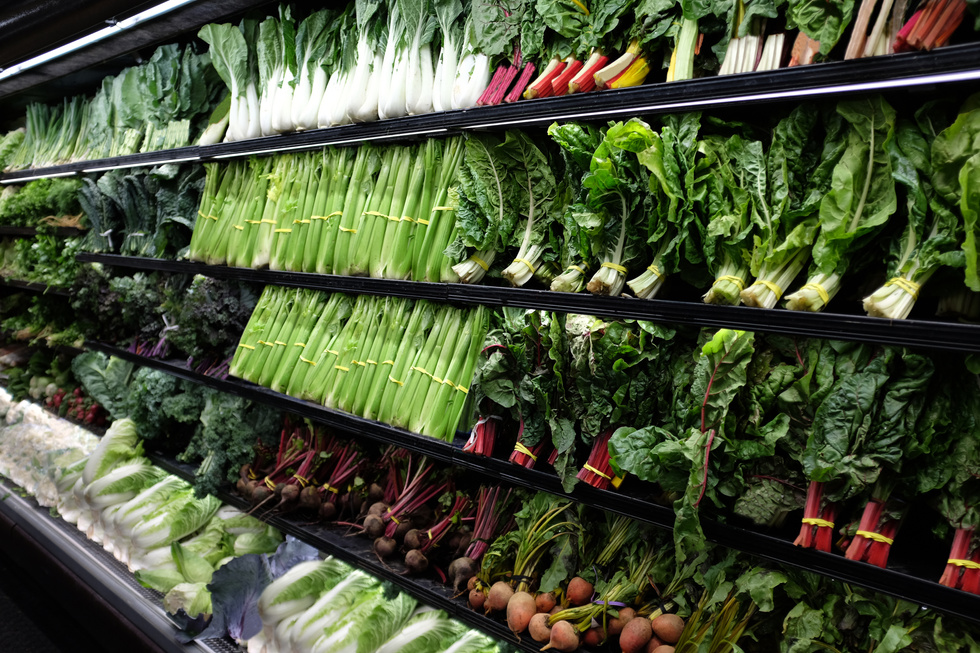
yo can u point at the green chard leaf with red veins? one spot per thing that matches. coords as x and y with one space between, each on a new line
822 21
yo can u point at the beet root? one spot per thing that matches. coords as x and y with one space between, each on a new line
461 570
288 494
635 636
471 583
545 601
385 547
309 499
616 624
520 609
477 599
373 526
579 591
499 596
328 511
416 562
403 529
378 508
564 638
668 627
594 637
664 648
538 627
654 644
412 539
375 493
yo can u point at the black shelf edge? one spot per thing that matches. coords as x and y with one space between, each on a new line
85 563
357 552
29 232
925 334
178 155
30 286
921 591
944 66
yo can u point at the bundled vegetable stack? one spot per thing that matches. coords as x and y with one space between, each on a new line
384 212
161 104
407 364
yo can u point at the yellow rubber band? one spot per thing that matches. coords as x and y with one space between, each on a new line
267 221
388 362
967 564
394 380
300 344
407 218
448 382
877 537
284 231
371 362
479 261
422 221
465 391
239 227
341 368
820 290
253 222
909 286
394 218
442 208
376 214
437 380
614 266
656 271
527 263
330 488
776 290
592 469
820 523
247 346
429 533
281 343
395 519
520 448
269 484
735 280
422 370
331 351
251 474
301 221
362 364
350 231
303 481
209 217
307 360
617 481
577 267
327 217
263 342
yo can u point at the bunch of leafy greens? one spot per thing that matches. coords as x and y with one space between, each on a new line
106 379
165 409
207 319
28 205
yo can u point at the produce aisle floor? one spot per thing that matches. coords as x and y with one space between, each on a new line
32 620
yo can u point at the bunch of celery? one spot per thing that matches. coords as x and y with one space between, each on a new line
383 358
383 212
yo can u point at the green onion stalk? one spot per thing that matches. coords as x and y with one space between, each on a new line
341 396
291 212
397 400
403 209
771 282
280 338
442 338
363 191
214 178
208 225
459 398
256 204
396 359
414 267
226 214
289 354
432 263
258 253
398 252
352 350
397 315
367 243
264 344
329 324
326 219
326 357
303 221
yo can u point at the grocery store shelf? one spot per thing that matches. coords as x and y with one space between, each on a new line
952 336
357 551
947 66
919 590
30 232
30 286
103 575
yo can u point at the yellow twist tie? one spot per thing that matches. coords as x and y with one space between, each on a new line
269 484
422 370
300 344
422 221
307 360
877 537
520 448
376 214
281 343
819 523
449 383
301 221
437 380
394 380
527 263
394 218
967 564
395 519
465 391
388 362
614 266
596 471
253 222
341 368
776 290
330 488
239 227
350 231
577 267
362 364
372 362
479 261
735 280
909 286
303 481
263 342
656 271
267 221
284 231
251 474
331 351
209 217
406 218
430 533
820 290
247 346
442 208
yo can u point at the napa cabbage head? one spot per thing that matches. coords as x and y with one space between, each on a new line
120 443
122 484
184 515
426 631
192 598
332 605
297 589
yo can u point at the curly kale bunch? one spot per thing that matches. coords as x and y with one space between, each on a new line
115 309
210 317
166 409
